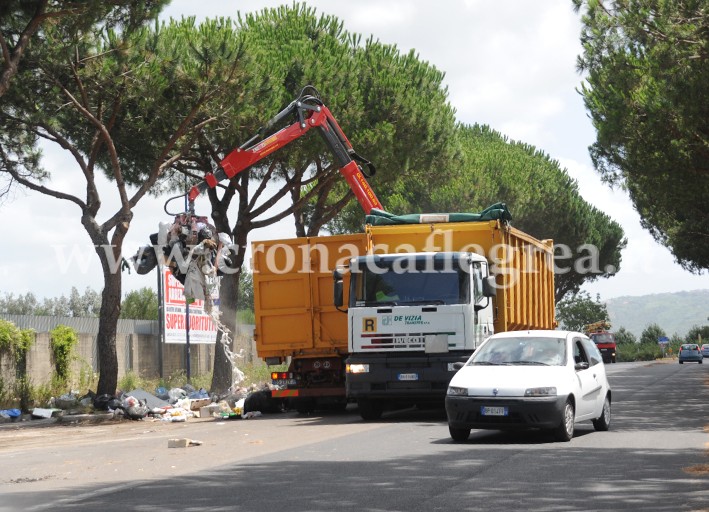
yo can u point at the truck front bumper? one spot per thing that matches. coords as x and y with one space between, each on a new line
397 376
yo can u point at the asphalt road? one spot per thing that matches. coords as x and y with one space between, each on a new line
655 457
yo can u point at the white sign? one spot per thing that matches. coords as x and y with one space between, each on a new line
202 327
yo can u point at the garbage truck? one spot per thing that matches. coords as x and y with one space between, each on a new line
411 296
429 290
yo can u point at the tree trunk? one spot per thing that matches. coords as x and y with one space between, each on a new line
223 376
109 254
106 340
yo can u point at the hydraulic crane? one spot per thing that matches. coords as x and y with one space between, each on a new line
309 112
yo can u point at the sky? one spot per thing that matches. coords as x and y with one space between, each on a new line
510 64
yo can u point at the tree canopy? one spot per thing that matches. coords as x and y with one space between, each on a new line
128 103
22 23
646 70
579 309
652 334
87 304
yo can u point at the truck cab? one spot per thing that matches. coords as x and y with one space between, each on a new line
412 316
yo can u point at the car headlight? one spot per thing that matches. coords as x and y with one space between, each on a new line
357 368
455 391
548 391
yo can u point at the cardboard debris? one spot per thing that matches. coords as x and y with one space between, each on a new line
151 400
39 412
182 443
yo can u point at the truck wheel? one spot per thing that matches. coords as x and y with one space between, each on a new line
603 422
613 360
565 431
369 409
459 435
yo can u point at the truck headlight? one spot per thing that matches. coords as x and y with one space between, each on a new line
548 391
357 368
456 391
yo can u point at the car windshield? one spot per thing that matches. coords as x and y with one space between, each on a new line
689 347
522 350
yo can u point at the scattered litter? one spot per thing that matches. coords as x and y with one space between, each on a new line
10 414
182 443
39 412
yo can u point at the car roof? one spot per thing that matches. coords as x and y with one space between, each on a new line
537 333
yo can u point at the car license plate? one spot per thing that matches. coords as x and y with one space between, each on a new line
408 376
493 411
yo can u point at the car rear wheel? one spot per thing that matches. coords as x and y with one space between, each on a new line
459 434
603 422
565 431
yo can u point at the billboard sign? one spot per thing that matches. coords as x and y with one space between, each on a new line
202 327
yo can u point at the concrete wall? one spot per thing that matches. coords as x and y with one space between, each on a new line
140 352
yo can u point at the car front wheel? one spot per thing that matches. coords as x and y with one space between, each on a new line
603 422
565 430
459 434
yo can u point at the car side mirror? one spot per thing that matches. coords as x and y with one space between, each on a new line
458 365
581 366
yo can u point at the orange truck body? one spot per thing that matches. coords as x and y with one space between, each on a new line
296 319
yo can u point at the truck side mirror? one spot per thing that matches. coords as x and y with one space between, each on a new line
337 288
489 286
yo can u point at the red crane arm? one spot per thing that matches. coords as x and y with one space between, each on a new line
311 113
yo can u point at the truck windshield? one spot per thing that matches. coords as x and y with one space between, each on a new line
421 282
602 338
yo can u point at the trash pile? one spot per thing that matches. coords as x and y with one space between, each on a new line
173 405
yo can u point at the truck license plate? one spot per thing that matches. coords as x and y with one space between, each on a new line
408 376
283 382
493 411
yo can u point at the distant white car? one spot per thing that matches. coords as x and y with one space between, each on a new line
530 379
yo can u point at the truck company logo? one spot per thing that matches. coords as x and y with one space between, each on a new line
411 319
369 324
387 320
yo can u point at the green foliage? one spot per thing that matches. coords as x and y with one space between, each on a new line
245 317
245 302
651 335
140 305
638 352
624 337
579 309
698 334
63 340
369 89
23 393
15 340
130 381
544 200
77 305
647 79
24 24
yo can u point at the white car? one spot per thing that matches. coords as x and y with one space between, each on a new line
530 379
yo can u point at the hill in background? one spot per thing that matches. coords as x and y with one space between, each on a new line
674 312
